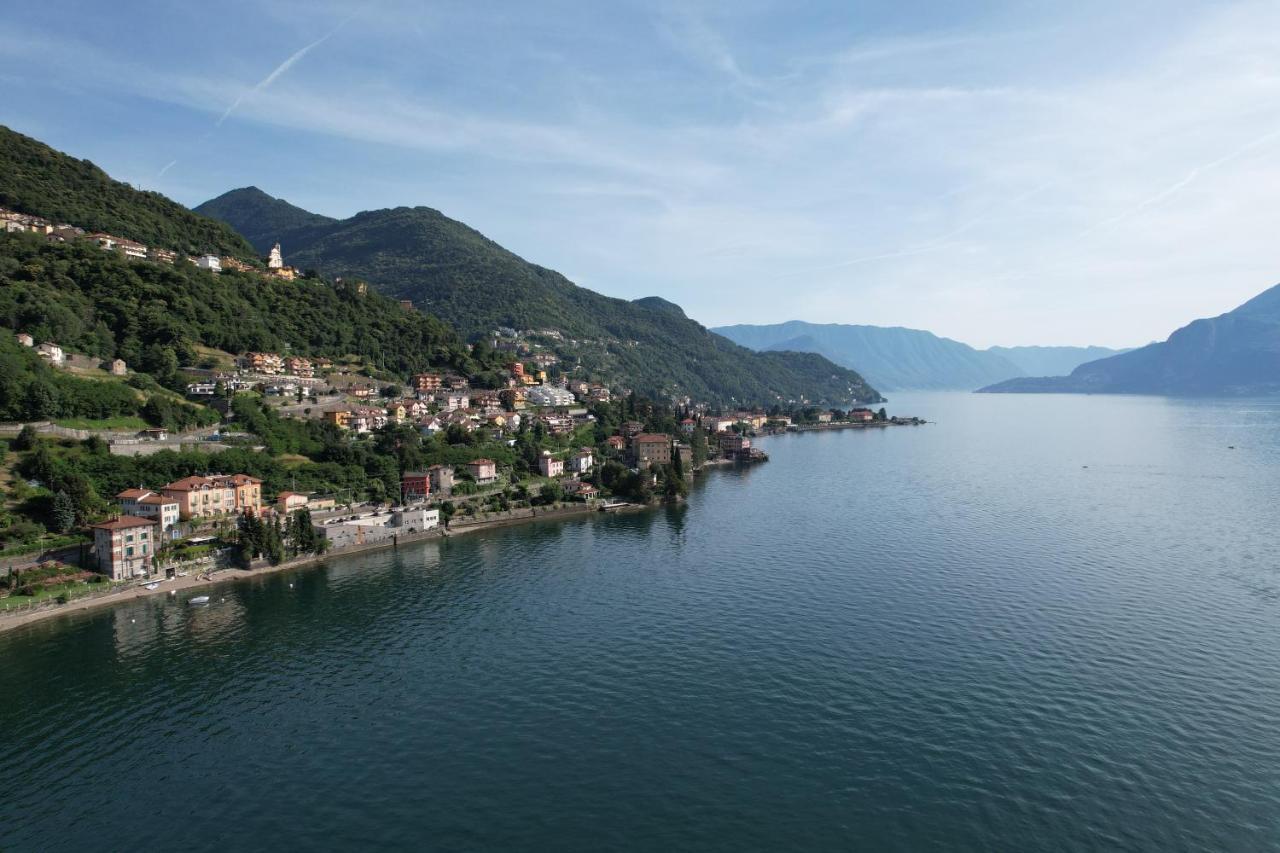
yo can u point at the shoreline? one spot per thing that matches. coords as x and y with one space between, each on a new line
9 622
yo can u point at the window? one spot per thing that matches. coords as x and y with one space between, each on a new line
128 552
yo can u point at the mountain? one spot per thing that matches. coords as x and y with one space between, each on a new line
891 358
1052 361
458 274
38 180
1237 353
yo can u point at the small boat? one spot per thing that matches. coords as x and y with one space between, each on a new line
152 585
199 599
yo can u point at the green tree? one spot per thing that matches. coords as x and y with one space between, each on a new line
63 515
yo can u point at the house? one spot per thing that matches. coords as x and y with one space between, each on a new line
549 466
118 367
732 444
549 395
579 489
396 411
650 449
429 426
824 417
124 547
52 353
451 401
406 304
599 394
616 442
200 497
287 502
154 434
262 362
25 339
162 256
208 262
144 503
631 429
861 416
428 382
341 418
581 462
441 479
298 366
202 389
104 241
717 423
485 471
246 492
512 398
415 486
131 249
688 425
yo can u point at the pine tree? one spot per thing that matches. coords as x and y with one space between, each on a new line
64 512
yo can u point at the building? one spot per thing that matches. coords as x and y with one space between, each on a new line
52 353
124 547
297 366
118 367
631 429
824 417
861 416
275 260
440 478
406 304
144 503
616 442
162 256
262 362
208 262
549 466
200 497
415 486
374 527
451 401
549 395
581 462
285 273
732 444
287 502
341 418
425 383
650 449
247 492
485 471
26 340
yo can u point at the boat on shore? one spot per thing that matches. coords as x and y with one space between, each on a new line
199 599
152 585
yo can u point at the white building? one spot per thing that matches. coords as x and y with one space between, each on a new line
549 395
52 352
581 462
143 503
210 263
275 260
375 527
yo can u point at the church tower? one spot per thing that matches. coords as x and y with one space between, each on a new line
275 260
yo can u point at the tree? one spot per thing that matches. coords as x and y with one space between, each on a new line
27 438
551 492
63 514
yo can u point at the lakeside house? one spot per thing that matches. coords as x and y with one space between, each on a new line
649 449
485 471
202 497
582 461
144 503
287 502
549 466
440 478
124 547
415 486
368 528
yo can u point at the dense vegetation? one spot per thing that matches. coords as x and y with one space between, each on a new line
38 180
468 280
152 315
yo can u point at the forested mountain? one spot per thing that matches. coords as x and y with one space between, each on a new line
36 179
455 272
891 358
1237 353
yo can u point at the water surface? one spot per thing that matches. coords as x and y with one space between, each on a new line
1042 623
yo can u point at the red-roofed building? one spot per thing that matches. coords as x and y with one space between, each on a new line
124 547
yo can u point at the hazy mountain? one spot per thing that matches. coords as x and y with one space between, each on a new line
898 358
1234 353
458 274
1052 361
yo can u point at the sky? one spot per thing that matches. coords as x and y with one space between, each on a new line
1002 173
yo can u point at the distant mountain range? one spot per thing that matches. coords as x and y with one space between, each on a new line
1237 353
456 273
894 358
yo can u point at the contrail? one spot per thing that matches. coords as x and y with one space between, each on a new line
279 70
262 84
1178 186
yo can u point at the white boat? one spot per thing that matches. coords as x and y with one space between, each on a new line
152 585
199 599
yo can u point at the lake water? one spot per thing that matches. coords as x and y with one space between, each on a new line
1042 623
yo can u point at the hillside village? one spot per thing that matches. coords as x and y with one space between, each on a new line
430 449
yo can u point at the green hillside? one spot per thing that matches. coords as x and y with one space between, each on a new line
38 180
458 274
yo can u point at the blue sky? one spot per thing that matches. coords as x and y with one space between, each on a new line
999 173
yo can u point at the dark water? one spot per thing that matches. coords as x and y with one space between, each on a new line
951 637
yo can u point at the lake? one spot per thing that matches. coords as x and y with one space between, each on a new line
1040 623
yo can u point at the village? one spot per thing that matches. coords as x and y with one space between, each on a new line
211 521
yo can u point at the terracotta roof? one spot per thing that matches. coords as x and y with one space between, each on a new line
133 494
652 438
283 495
157 500
188 484
124 522
482 462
